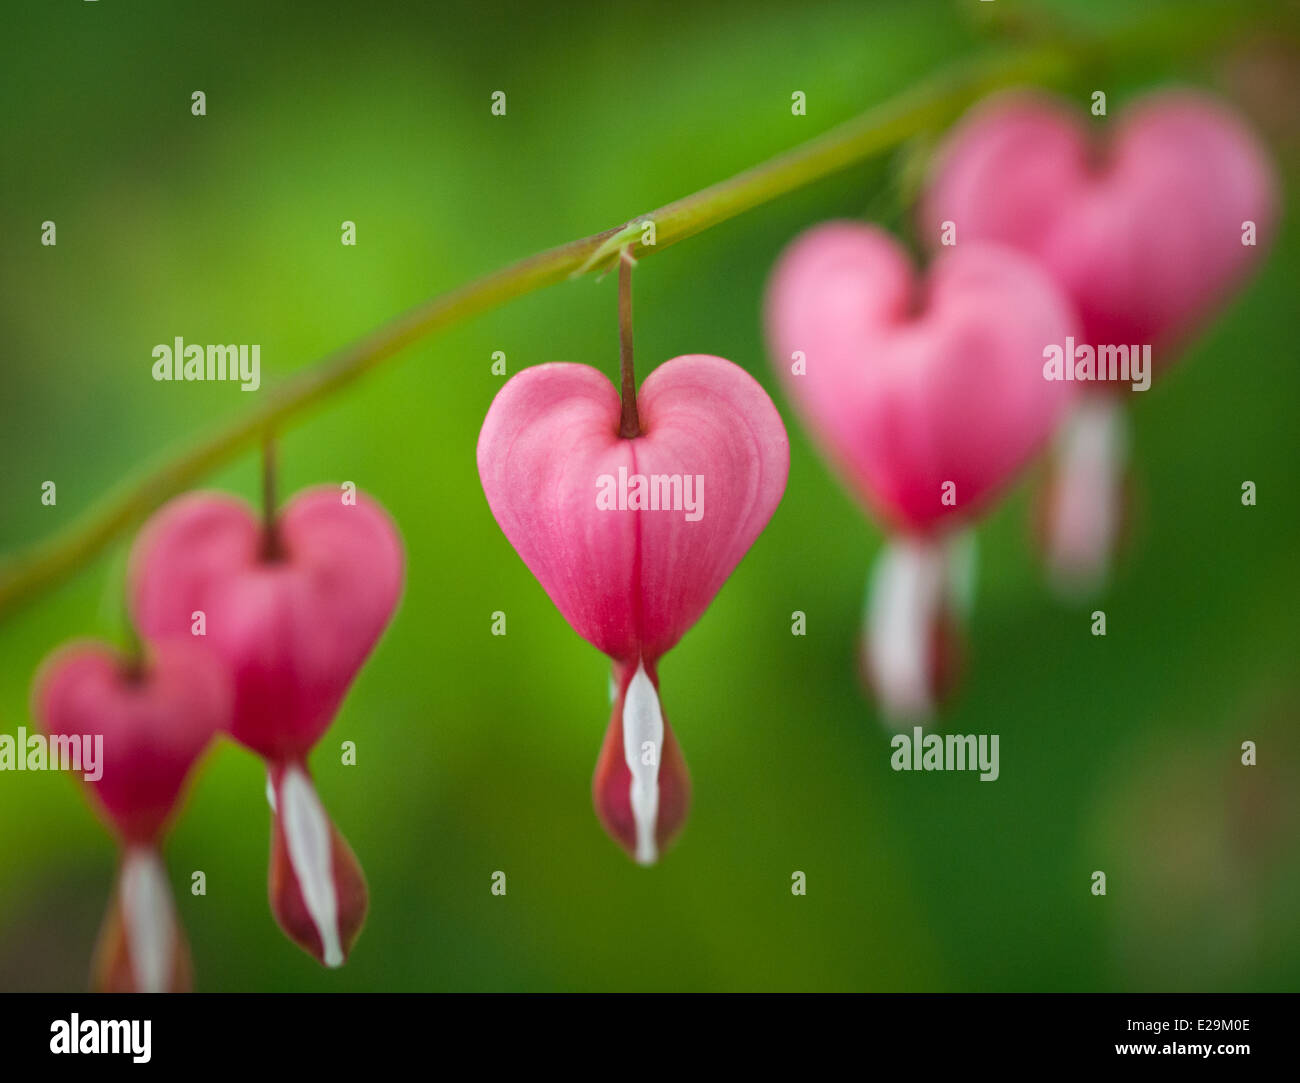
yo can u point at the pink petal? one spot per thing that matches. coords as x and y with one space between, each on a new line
153 725
1145 237
632 582
910 385
294 631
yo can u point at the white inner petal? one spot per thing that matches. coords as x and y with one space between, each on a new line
907 585
1085 512
643 739
307 833
148 919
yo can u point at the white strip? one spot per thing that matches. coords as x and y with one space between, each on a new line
907 586
148 919
1084 515
270 791
307 833
643 739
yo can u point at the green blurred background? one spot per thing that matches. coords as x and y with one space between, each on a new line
475 752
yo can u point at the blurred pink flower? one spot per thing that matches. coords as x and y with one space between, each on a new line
155 719
929 395
293 615
1145 235
910 385
1147 230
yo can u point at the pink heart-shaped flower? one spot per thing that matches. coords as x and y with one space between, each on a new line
293 612
632 538
294 629
631 582
154 720
1146 235
929 395
134 729
1148 225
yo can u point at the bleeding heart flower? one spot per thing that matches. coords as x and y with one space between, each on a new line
152 721
293 611
1147 229
1146 235
929 395
632 538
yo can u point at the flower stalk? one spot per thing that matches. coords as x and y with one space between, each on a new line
629 423
923 108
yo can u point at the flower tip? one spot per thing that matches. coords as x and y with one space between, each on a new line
641 787
141 947
1084 513
912 652
316 887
